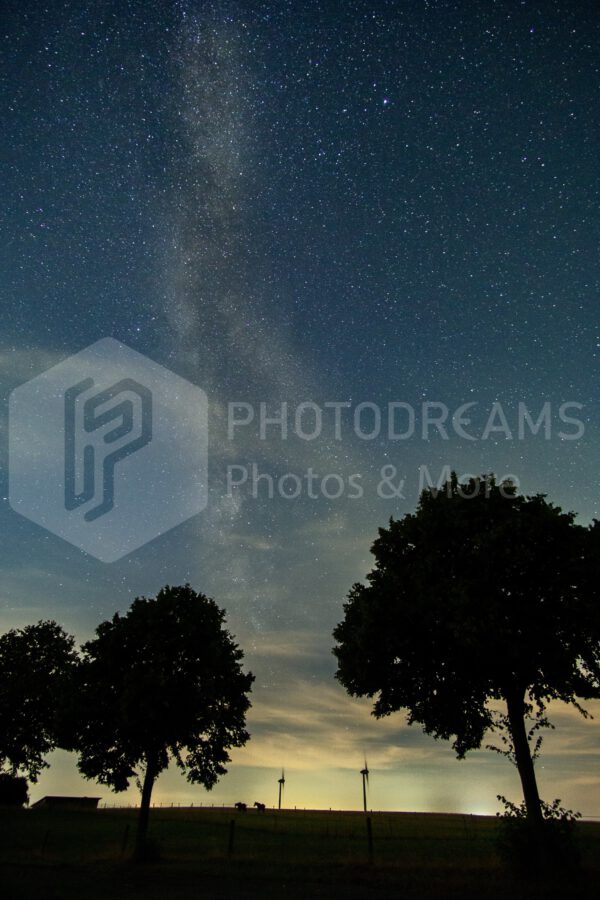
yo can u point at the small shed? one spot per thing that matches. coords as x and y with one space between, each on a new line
66 803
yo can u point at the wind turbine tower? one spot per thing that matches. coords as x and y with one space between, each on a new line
365 781
281 782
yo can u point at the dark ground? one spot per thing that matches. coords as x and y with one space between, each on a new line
54 855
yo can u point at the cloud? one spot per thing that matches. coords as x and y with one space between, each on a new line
306 720
19 364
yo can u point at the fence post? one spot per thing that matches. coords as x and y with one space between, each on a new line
124 841
370 839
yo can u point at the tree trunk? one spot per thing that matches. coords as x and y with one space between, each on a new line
142 827
515 703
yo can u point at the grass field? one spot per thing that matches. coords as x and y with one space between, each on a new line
54 855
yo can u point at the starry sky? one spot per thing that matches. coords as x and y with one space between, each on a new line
316 202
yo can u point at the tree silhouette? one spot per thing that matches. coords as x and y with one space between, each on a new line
35 662
481 595
162 682
13 790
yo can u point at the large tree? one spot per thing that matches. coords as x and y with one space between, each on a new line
35 663
13 790
162 682
482 595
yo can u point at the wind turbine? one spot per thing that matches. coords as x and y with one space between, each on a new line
365 780
281 782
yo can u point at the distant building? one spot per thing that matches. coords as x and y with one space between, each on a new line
66 803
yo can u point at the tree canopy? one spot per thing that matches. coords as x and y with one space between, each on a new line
13 790
35 662
162 682
480 595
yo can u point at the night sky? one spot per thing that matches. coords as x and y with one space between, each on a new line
309 203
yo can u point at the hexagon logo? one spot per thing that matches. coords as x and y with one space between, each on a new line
108 450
